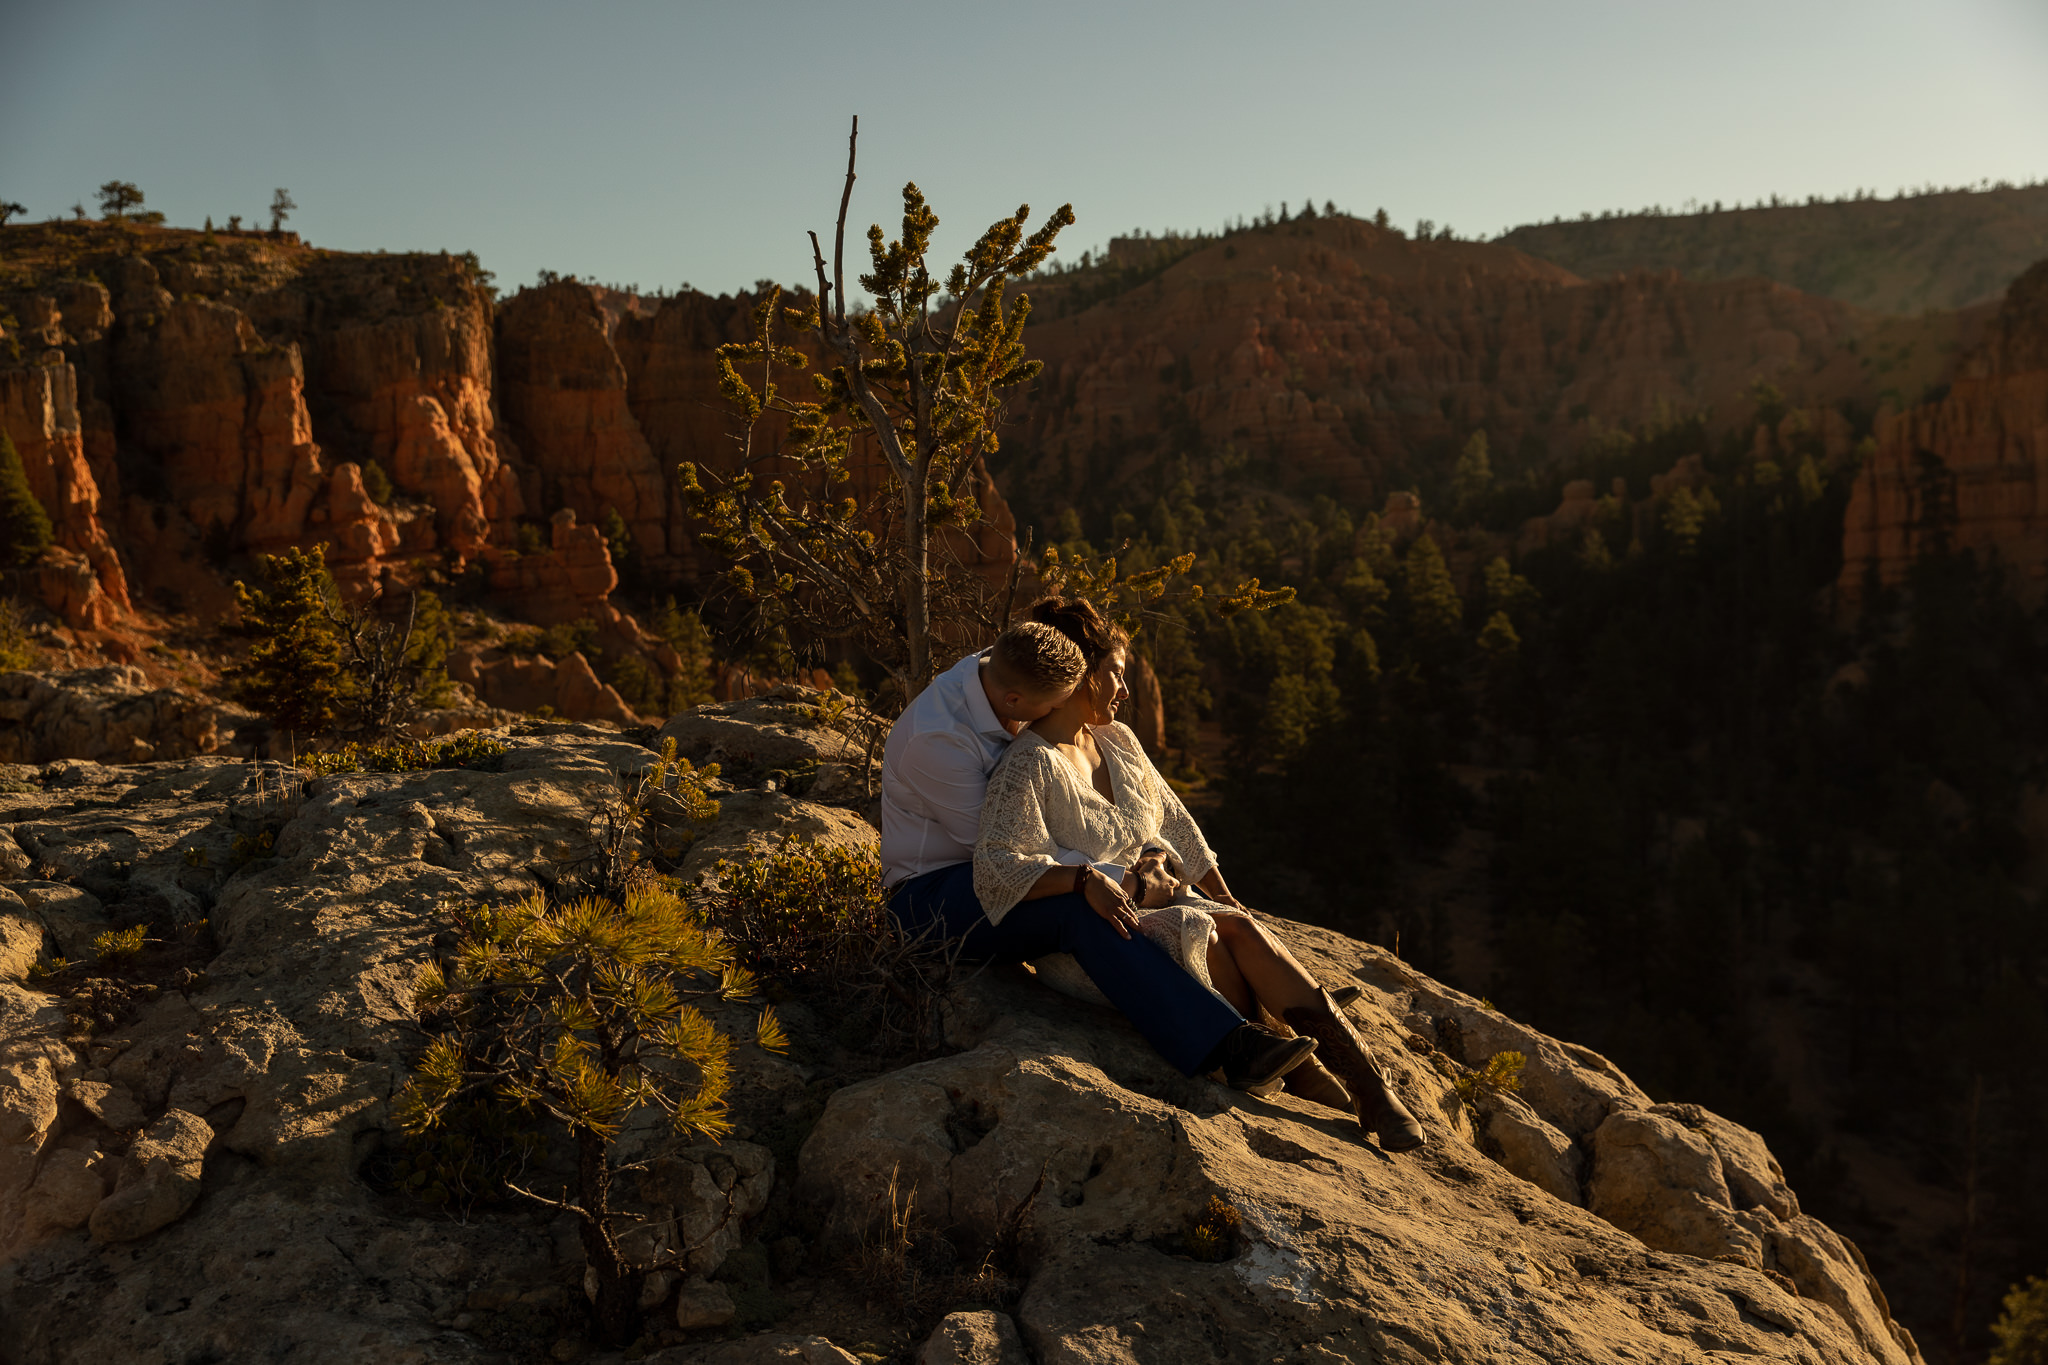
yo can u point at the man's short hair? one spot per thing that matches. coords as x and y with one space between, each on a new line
1037 659
1171 860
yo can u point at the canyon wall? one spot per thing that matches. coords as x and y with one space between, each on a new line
1335 356
1969 471
182 400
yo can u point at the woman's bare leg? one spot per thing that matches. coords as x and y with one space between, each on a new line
1228 980
1262 963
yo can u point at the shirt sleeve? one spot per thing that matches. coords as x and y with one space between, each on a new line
943 773
1014 849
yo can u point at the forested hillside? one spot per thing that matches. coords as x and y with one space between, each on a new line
1905 254
1625 769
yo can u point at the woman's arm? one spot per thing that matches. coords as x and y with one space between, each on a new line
1015 857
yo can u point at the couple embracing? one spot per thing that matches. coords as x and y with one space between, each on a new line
1022 820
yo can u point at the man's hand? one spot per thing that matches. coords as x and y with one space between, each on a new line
1107 899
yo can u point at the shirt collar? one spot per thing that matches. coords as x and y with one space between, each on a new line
979 712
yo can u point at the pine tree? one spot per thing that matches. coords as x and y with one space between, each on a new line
1685 516
1498 641
1433 603
920 385
433 634
24 527
684 631
2022 1329
292 675
617 538
1473 475
587 1010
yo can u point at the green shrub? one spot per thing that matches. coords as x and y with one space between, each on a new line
377 483
467 749
15 650
119 945
1501 1074
638 683
587 1011
2022 1329
564 638
25 529
803 915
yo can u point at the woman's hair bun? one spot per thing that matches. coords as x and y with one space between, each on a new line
1080 621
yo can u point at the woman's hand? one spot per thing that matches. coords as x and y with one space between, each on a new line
1216 889
1108 900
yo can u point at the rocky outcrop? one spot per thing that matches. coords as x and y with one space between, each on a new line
538 685
84 582
200 1167
230 396
1064 1123
1968 472
563 389
108 715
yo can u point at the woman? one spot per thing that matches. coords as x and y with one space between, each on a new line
1077 780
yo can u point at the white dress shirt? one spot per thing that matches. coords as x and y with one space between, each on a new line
935 770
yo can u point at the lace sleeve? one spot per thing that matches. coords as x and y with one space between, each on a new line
1176 827
1014 849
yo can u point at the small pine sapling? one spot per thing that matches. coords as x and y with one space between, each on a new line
586 1011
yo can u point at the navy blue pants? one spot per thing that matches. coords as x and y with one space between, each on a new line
1175 1012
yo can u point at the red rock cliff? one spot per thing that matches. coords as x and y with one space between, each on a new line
1970 469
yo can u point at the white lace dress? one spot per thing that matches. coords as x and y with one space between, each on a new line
1038 804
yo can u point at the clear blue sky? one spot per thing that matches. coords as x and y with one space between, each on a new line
656 143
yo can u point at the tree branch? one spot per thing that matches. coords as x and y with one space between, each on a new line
839 237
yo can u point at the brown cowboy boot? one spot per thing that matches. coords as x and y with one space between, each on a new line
1344 1052
1311 1082
1307 1081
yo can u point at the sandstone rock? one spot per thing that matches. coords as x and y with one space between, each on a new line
758 734
1104 1159
754 822
1662 1181
982 1338
289 1052
563 389
700 1304
73 917
66 1191
704 1197
110 1104
1337 346
568 581
1988 442
770 1348
39 411
159 1180
21 937
108 715
1531 1148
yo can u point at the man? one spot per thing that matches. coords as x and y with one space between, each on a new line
935 771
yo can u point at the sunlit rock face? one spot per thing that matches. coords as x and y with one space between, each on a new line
1969 471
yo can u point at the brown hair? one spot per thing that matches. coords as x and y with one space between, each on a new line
1036 658
1078 620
